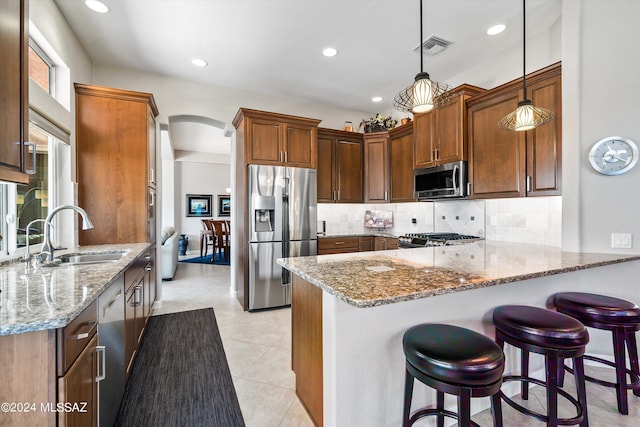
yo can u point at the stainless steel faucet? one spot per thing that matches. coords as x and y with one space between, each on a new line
47 245
27 256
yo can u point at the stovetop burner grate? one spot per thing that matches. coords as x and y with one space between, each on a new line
418 240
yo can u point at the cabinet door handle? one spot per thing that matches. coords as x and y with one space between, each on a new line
338 195
152 177
468 188
286 157
281 157
148 268
33 158
153 199
102 366
528 183
385 194
84 335
339 243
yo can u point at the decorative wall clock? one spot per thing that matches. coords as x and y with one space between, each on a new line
614 155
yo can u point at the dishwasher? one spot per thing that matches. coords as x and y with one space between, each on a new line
111 336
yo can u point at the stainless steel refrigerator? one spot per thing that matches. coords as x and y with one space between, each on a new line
282 223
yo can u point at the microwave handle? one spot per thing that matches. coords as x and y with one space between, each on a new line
455 173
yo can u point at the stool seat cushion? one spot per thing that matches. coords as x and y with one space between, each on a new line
541 327
453 355
597 308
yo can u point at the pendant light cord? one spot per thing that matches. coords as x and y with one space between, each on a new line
421 53
524 49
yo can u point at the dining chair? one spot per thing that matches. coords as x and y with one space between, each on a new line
207 237
222 238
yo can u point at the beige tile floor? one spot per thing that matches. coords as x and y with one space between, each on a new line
258 347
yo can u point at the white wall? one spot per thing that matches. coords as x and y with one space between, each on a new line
197 178
600 99
179 97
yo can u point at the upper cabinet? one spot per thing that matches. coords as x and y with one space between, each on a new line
115 143
15 160
505 163
277 139
376 167
401 150
440 135
340 166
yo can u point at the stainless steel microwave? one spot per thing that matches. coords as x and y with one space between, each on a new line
440 182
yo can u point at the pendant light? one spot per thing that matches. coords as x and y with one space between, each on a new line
526 116
420 96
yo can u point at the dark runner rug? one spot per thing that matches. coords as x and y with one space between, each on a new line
218 260
180 376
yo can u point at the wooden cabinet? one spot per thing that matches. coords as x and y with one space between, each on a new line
385 243
338 245
340 164
365 244
14 91
138 304
401 150
78 389
113 166
78 367
341 245
376 167
277 139
515 164
149 283
440 135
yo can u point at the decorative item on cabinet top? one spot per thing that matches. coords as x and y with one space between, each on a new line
379 123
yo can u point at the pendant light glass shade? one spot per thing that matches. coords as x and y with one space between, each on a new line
422 95
526 116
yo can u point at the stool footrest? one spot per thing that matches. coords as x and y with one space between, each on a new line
431 412
541 417
633 385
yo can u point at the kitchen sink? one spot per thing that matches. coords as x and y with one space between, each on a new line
90 258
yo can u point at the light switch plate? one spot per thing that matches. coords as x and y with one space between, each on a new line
621 241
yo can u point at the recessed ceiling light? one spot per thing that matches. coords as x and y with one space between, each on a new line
496 29
329 51
199 62
97 6
376 99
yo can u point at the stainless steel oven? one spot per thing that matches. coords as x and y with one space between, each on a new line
441 182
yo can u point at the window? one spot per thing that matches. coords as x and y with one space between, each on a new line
41 68
48 186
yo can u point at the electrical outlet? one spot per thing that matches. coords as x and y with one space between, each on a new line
621 241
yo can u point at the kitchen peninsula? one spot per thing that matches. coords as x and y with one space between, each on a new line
349 313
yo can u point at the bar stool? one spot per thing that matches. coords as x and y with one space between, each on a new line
557 337
620 317
456 361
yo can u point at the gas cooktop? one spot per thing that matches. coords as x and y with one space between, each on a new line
419 240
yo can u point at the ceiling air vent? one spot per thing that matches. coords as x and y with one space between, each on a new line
433 45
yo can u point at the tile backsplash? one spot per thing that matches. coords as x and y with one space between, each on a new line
526 220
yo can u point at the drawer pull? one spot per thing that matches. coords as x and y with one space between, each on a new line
84 335
339 243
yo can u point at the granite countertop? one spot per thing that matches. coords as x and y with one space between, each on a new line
369 279
51 297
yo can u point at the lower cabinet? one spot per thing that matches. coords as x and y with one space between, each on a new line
79 370
78 389
341 245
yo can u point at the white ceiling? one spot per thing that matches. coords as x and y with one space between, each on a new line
274 46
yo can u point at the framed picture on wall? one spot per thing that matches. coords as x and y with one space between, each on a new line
224 205
199 205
